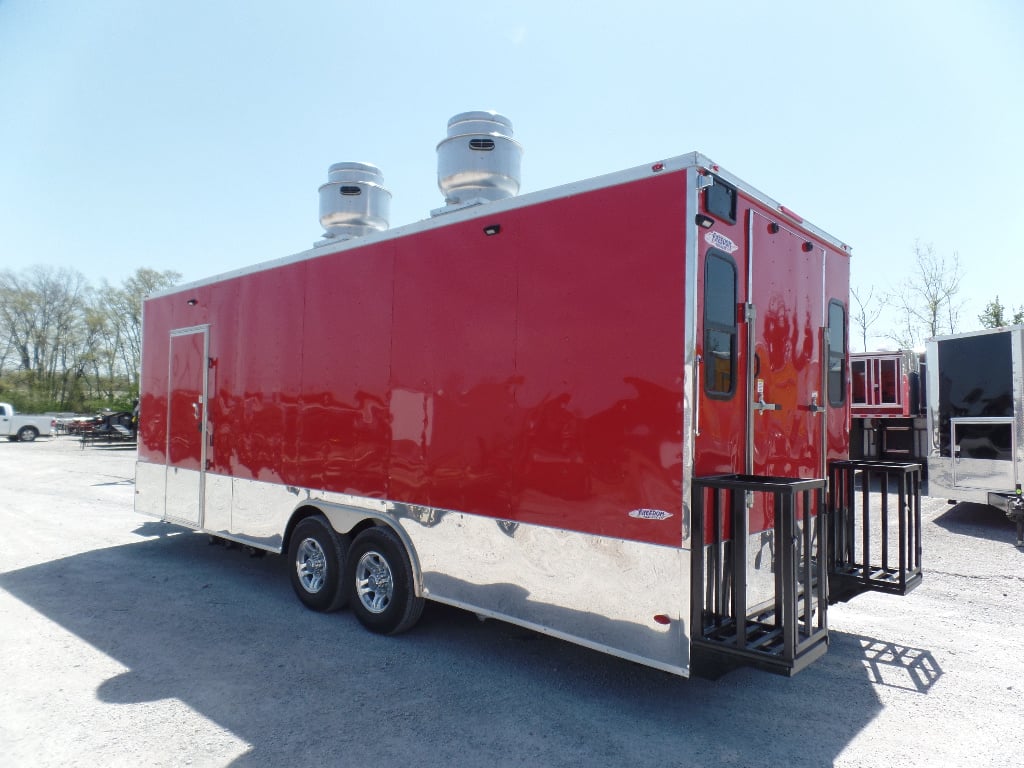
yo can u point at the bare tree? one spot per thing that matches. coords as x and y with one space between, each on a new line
124 315
16 317
65 344
99 367
864 312
928 302
40 313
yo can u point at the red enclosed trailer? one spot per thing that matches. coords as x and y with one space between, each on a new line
887 406
596 411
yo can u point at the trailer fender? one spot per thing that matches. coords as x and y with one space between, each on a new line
350 520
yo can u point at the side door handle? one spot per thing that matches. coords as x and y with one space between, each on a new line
814 407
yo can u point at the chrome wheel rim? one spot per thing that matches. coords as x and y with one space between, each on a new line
311 565
375 585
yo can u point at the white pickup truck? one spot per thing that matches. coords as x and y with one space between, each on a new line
20 426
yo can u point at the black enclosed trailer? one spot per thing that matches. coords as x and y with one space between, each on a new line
976 419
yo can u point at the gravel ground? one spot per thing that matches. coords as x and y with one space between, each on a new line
128 642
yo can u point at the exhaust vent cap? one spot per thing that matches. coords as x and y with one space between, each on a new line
353 202
479 161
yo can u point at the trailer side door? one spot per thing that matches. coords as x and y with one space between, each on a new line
187 400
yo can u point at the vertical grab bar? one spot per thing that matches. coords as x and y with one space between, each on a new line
696 395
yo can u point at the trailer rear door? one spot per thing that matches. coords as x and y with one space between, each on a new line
975 411
983 451
772 346
788 403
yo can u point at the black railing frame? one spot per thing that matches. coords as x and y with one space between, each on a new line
791 632
853 569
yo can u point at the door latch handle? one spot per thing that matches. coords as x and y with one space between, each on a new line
814 407
761 406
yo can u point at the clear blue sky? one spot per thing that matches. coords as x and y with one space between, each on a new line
193 135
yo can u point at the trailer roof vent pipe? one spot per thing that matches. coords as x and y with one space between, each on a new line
353 202
478 162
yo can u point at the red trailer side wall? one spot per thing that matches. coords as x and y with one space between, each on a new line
534 375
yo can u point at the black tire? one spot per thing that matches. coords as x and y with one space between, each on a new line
28 434
316 557
379 580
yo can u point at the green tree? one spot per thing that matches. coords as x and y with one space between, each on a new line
995 315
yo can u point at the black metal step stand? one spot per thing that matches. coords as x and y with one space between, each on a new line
792 631
860 556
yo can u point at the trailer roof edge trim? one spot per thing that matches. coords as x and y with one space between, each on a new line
677 164
982 332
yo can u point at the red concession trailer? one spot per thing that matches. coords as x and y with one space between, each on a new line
606 411
887 406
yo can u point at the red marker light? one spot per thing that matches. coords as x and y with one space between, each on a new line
661 618
658 167
791 215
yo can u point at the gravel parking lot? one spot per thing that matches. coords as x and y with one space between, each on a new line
124 641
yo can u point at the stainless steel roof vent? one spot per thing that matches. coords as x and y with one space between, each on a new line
353 202
479 161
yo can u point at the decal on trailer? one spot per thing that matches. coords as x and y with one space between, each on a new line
720 241
650 514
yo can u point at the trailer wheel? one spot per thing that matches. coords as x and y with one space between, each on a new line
380 582
28 434
317 557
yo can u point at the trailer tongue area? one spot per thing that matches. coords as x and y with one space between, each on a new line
1013 505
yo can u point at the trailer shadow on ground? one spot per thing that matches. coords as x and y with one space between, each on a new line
223 633
978 520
